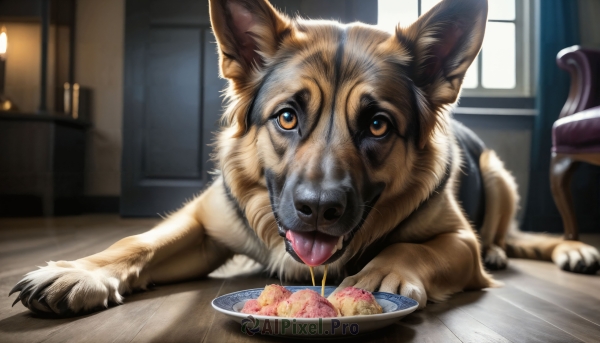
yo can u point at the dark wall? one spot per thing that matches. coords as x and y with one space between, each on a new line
345 11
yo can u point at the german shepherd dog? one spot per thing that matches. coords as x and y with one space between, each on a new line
337 148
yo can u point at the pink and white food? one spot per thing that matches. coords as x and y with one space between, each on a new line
267 302
306 304
276 300
352 301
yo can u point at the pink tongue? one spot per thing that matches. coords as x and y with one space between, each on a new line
314 247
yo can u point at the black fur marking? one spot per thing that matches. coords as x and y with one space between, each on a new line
273 183
229 56
368 108
238 209
319 111
339 57
510 250
382 156
317 60
471 192
377 150
284 34
413 131
408 45
301 98
279 149
439 188
251 116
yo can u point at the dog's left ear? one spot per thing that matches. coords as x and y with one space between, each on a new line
247 32
444 43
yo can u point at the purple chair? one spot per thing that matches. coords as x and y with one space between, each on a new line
576 134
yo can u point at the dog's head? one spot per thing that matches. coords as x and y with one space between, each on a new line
338 121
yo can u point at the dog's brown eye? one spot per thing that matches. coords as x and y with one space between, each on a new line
379 127
288 120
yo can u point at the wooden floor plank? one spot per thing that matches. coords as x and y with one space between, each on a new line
588 284
426 327
24 327
509 321
464 326
572 300
75 246
129 318
554 314
184 316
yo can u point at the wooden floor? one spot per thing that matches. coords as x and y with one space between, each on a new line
539 303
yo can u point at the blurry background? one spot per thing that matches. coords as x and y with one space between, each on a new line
150 99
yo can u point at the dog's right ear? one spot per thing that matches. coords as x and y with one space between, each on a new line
247 32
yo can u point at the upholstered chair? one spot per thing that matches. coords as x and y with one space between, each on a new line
576 134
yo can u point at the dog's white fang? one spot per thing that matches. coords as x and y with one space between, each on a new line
339 245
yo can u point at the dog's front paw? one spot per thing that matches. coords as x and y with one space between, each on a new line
577 257
387 281
495 258
66 288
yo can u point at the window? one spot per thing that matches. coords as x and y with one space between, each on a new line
503 67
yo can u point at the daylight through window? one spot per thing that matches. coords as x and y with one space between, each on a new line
501 65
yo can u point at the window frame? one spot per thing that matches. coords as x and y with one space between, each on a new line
524 68
525 55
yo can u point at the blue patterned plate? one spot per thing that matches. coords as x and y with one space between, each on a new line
394 307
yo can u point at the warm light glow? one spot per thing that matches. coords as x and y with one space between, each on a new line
3 42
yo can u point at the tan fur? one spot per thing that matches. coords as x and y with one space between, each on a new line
501 199
500 237
424 245
566 254
499 227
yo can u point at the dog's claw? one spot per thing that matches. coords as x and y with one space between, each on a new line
17 288
581 267
592 269
50 290
16 301
26 291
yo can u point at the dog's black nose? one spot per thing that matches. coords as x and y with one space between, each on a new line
319 207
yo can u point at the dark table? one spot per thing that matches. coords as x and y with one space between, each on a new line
42 163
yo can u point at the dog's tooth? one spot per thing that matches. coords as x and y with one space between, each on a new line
338 245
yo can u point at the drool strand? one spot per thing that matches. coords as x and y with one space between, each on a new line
323 281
